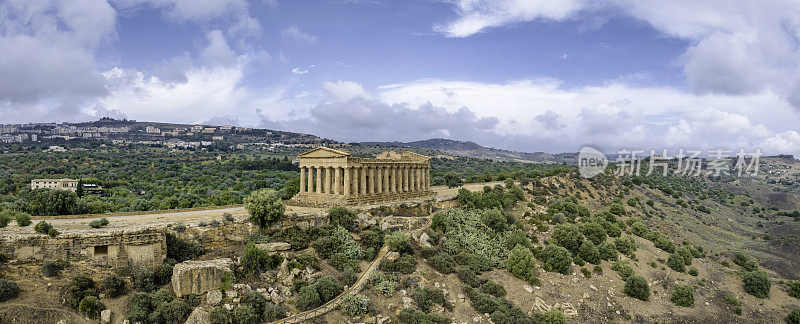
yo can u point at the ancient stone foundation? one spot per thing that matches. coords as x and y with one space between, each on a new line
330 177
120 248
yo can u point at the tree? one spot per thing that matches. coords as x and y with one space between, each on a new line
557 259
340 215
589 253
637 287
520 262
676 262
757 283
683 296
265 207
79 189
452 180
594 232
568 236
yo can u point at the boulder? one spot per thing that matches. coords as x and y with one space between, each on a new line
275 246
366 220
214 297
198 316
423 240
198 277
105 316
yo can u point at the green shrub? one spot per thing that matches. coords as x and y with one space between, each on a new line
683 296
607 251
91 307
442 262
50 268
255 260
685 254
675 262
589 253
327 288
550 317
521 262
625 245
308 298
246 315
113 285
492 288
557 259
8 289
79 287
586 272
414 316
144 280
617 209
273 312
494 219
340 215
693 272
467 276
163 274
98 223
42 227
53 233
637 287
568 236
740 258
355 305
425 297
397 241
757 283
265 207
475 262
138 307
794 289
181 250
623 269
23 219
751 265
593 232
219 315
793 317
255 300
517 237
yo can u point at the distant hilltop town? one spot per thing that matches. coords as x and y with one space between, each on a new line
176 136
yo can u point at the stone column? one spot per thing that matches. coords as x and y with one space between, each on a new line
337 178
403 179
310 179
379 180
371 184
386 187
302 179
346 181
319 179
326 182
363 181
428 178
395 179
415 183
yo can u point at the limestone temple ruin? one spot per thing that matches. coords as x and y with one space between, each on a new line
331 177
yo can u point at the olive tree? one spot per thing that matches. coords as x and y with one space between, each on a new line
265 207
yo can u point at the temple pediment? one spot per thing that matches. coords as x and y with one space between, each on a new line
324 152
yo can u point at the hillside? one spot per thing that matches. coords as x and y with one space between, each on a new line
472 149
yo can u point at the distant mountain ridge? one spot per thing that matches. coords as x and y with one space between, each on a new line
475 150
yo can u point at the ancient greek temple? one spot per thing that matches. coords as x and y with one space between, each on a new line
330 177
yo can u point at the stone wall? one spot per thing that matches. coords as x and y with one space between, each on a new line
120 248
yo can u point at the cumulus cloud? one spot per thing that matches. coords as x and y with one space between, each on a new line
298 70
217 52
344 90
294 33
736 47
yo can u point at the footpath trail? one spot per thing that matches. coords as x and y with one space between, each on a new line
334 303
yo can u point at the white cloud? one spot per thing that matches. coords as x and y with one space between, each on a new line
217 52
344 90
294 33
737 47
477 15
298 70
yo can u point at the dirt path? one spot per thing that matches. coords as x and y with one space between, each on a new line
334 303
125 220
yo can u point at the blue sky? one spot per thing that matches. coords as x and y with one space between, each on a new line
529 75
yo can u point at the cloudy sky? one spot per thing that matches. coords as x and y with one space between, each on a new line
529 75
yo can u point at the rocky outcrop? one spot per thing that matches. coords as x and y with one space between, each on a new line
198 277
275 246
198 316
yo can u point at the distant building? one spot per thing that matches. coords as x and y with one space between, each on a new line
152 130
65 184
56 148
